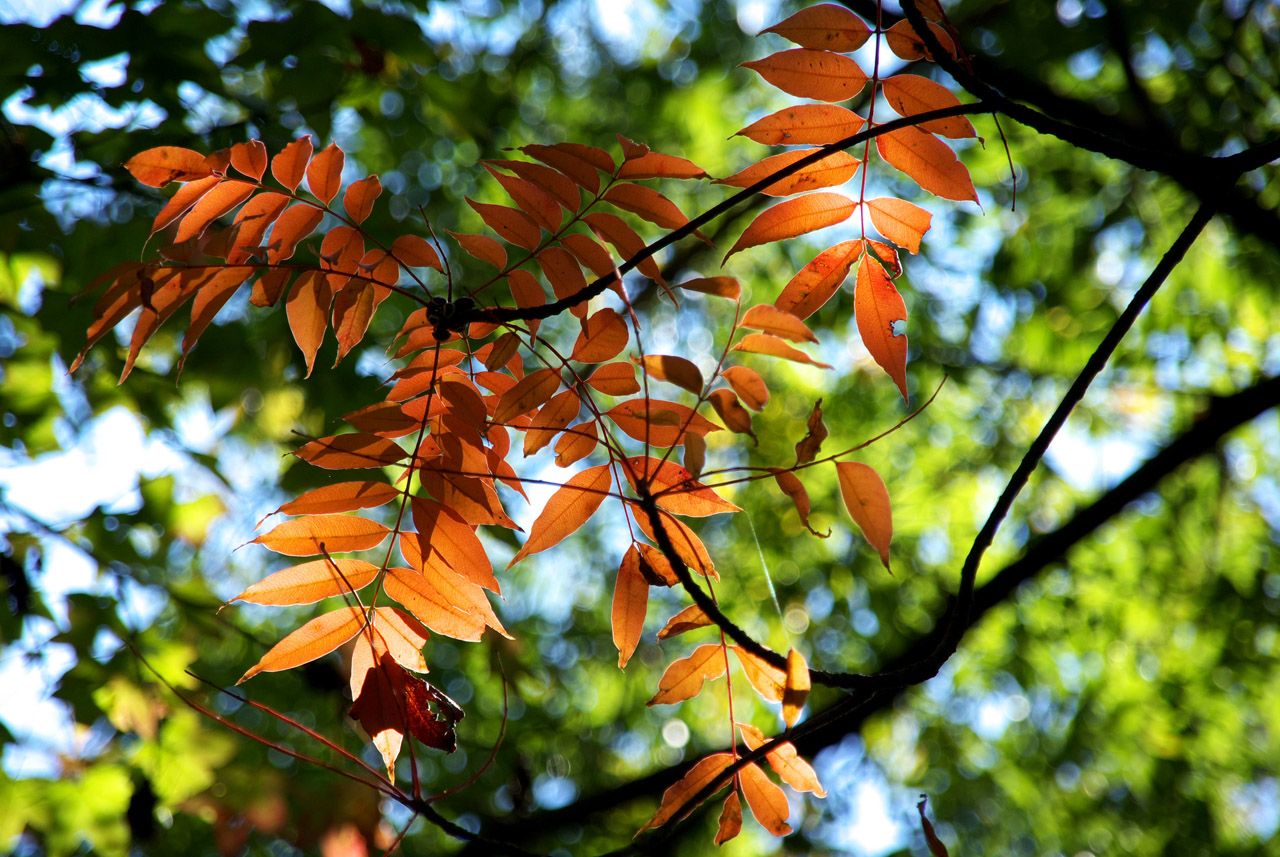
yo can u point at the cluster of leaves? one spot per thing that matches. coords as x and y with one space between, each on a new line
477 367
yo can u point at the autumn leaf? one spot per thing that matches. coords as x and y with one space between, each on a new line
482 247
313 640
451 541
749 386
721 287
289 166
163 164
540 205
795 217
674 488
317 534
360 196
614 379
562 271
795 690
900 221
928 161
211 206
379 709
817 282
657 422
341 497
794 488
653 165
777 322
772 346
296 223
630 602
529 393
311 582
786 763
731 413
677 370
351 451
688 619
911 94
513 225
767 800
324 173
820 75
416 252
936 846
833 170
805 124
182 201
675 799
575 444
882 317
684 678
688 546
604 335
568 509
550 419
867 500
250 158
768 680
730 823
438 600
307 308
907 44
647 203
824 27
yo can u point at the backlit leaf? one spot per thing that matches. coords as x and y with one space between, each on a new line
580 163
557 413
563 188
657 422
928 161
575 444
313 640
749 386
778 322
163 164
786 763
765 797
796 689
624 239
630 602
795 217
360 196
767 679
351 451
882 317
657 166
735 417
569 508
674 487
901 222
416 252
687 619
647 203
721 287
250 158
807 449
675 799
820 75
794 488
834 169
805 124
867 500
817 282
615 379
529 393
907 44
316 534
311 582
764 343
308 310
342 497
677 370
824 27
730 823
211 206
436 600
562 271
483 248
532 200
324 173
604 335
181 201
684 678
513 225
443 537
911 94
290 165
297 222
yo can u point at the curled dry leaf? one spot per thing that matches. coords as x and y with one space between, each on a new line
808 447
730 824
936 846
794 488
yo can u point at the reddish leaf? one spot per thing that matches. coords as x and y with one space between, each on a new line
928 161
308 310
359 198
834 169
268 287
795 217
749 386
615 379
695 454
253 220
786 763
186 197
295 224
767 800
721 287
882 318
648 203
541 206
324 173
684 678
657 166
820 75
730 823
767 679
901 222
313 640
676 798
211 206
560 186
568 509
513 225
625 240
657 422
311 582
342 497
796 690
290 165
250 158
867 500
778 322
805 124
483 248
824 27
436 731
416 252
904 41
677 370
590 253
580 163
936 846
352 311
603 337
531 392
731 413
817 282
688 619
163 164
211 297
764 343
630 602
562 271
631 149
911 94
688 547
674 487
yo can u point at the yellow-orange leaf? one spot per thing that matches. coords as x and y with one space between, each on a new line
901 222
835 169
684 678
657 422
342 497
320 533
786 763
163 164
911 94
731 413
674 487
824 27
351 451
483 248
779 322
687 619
749 386
324 173
795 217
767 679
310 582
929 161
211 206
730 824
308 310
818 281
695 454
576 444
688 546
436 599
796 690
532 391
630 602
615 379
804 124
764 343
867 500
820 75
657 166
604 335
676 370
765 797
443 536
675 798
403 636
721 287
416 252
290 165
359 198
882 319
313 640
250 158
550 419
254 219
568 509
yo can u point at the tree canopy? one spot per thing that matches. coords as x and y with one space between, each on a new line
1069 642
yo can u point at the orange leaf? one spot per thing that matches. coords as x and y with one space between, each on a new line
721 287
353 309
886 255
290 164
731 413
764 343
562 271
250 158
342 497
832 170
308 310
794 488
513 225
211 206
324 173
676 370
603 337
625 240
416 252
559 410
786 763
316 534
749 386
313 640
675 798
765 797
820 75
568 509
695 454
445 538
359 198
817 282
186 197
867 500
436 600
911 94
163 164
351 451
387 419
564 189
904 41
532 391
657 422
901 222
824 27
778 322
403 635
254 219
687 619
580 163
576 444
674 488
295 224
657 166
310 582
805 124
882 318
927 160
683 679
590 253
646 202
482 247
212 296
796 690
532 200
630 602
795 217
767 679
631 149
615 379
730 824
688 546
